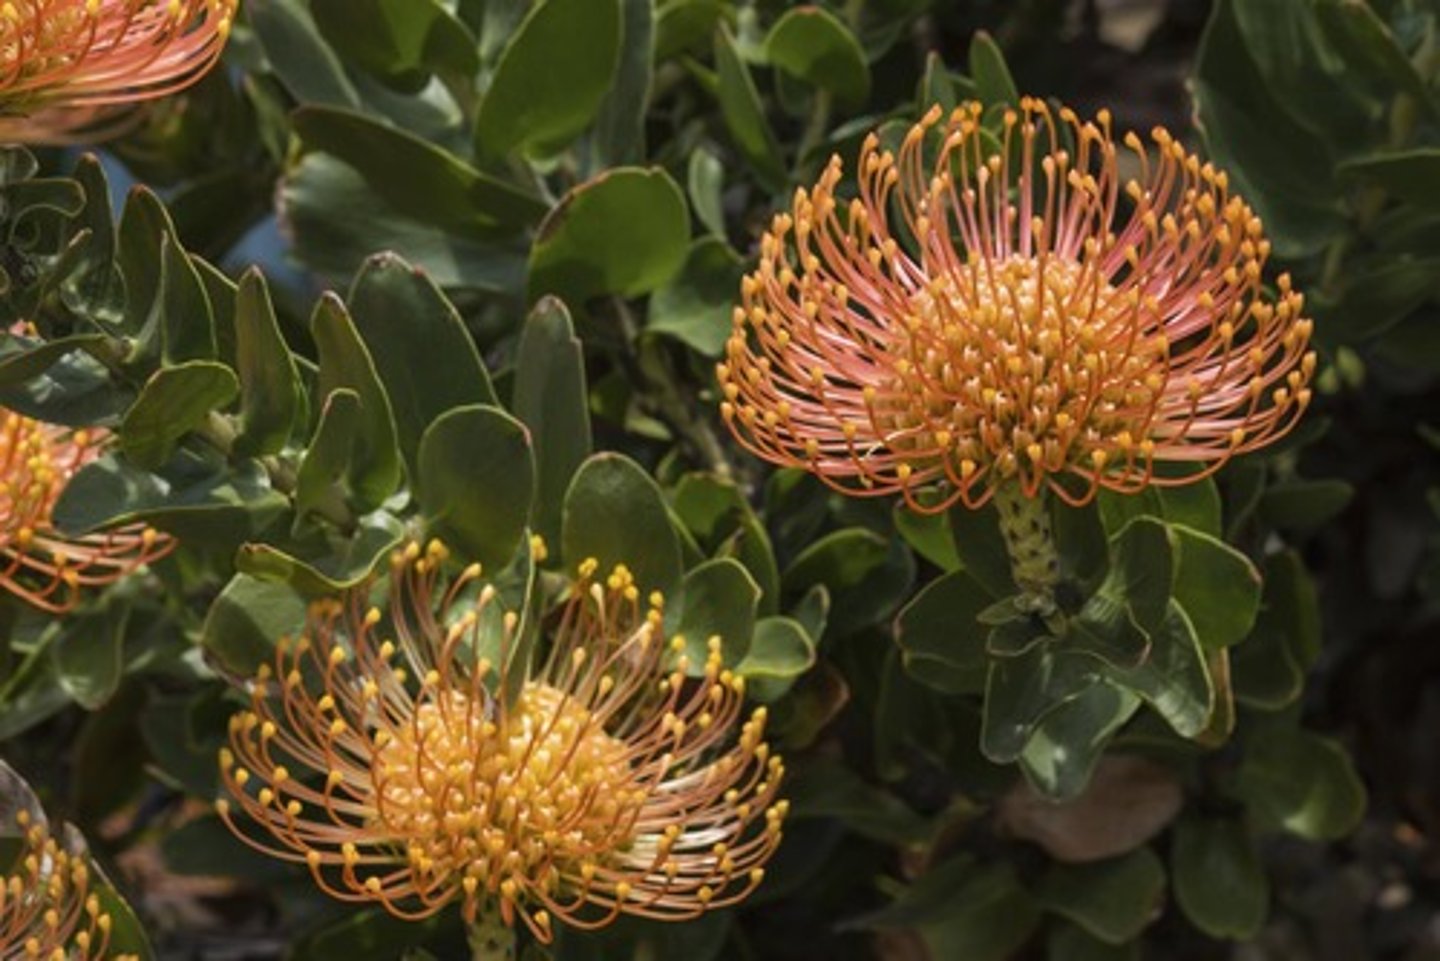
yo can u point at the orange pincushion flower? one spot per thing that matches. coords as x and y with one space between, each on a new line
68 66
979 317
607 784
47 910
39 564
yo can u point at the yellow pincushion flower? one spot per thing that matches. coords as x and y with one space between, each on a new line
48 908
1015 312
70 67
39 564
381 750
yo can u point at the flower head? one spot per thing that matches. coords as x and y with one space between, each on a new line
411 760
68 66
47 909
1009 306
38 563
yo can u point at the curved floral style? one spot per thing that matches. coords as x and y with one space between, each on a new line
68 67
47 908
39 564
380 752
1003 305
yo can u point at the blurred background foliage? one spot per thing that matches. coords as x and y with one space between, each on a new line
495 238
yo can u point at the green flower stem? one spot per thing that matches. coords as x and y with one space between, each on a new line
1030 541
491 939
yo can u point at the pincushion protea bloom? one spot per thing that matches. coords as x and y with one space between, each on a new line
38 563
607 783
67 65
47 910
1001 312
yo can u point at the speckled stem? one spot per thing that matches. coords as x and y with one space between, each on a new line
1034 563
491 939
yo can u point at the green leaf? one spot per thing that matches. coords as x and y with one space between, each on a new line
942 644
1278 164
619 135
144 225
551 79
1195 504
89 654
1217 586
1020 691
1175 678
990 73
683 26
337 222
550 398
928 535
271 395
963 910
1269 668
183 313
1069 741
744 114
1218 879
615 514
472 449
625 232
1114 900
781 651
305 63
324 562
345 363
1118 622
415 177
1367 44
705 180
695 306
423 355
197 501
812 45
321 485
981 547
247 619
1295 781
824 787
402 41
173 402
1069 942
23 360
1412 175
717 599
841 560
1305 504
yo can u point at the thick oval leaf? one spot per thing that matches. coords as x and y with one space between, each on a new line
1114 900
402 41
942 643
271 395
89 654
1064 749
550 398
1020 691
695 306
619 134
246 620
991 75
345 364
1175 677
624 232
476 482
1295 781
416 177
1218 878
422 352
781 651
981 548
615 514
811 44
551 79
717 599
173 402
182 312
324 562
1218 587
744 114
305 63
